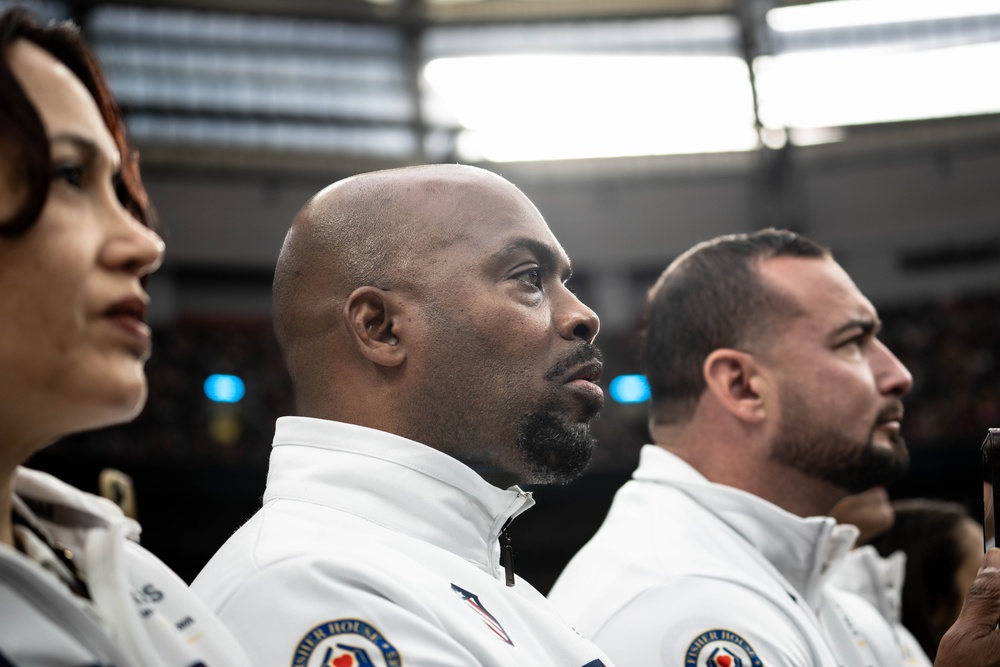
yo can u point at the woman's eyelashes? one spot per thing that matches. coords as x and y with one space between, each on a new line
71 173
76 174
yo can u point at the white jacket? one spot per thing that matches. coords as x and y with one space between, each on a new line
140 614
880 581
686 572
371 549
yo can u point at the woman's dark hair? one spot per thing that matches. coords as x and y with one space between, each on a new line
23 141
928 532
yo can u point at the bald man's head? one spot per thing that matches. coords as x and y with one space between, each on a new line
373 229
430 302
346 236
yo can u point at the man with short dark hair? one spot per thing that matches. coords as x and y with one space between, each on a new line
772 399
437 359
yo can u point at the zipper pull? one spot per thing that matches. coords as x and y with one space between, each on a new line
507 554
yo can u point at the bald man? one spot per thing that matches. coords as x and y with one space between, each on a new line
438 360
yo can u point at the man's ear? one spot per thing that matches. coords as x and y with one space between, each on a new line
734 378
371 316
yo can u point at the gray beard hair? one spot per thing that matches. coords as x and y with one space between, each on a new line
556 449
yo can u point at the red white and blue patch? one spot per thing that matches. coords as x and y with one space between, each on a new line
345 642
720 648
489 619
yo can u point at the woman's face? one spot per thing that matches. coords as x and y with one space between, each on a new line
72 333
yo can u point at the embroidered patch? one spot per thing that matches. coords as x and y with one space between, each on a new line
489 619
345 642
720 648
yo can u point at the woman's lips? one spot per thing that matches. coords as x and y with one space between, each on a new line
129 315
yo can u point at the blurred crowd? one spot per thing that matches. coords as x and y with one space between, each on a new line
953 350
951 347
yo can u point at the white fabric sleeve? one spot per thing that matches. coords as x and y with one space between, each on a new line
695 620
307 612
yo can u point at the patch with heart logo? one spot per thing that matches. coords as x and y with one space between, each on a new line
345 642
721 648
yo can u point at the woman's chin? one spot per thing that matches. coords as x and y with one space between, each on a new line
114 406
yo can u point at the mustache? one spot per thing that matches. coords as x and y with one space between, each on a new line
584 353
892 412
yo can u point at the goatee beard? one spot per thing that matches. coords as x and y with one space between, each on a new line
555 449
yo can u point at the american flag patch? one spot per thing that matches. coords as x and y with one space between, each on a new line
491 622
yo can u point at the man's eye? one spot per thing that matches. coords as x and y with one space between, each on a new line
531 276
69 173
857 341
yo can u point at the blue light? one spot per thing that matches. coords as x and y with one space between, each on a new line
224 388
629 389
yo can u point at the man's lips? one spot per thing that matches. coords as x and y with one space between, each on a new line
891 417
586 378
580 372
590 372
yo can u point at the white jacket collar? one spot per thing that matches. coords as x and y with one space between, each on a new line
64 513
878 580
398 483
802 549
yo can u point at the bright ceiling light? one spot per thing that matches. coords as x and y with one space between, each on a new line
834 14
854 87
541 107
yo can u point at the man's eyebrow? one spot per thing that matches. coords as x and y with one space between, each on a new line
868 326
545 254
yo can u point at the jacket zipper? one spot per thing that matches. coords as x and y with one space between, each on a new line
507 553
